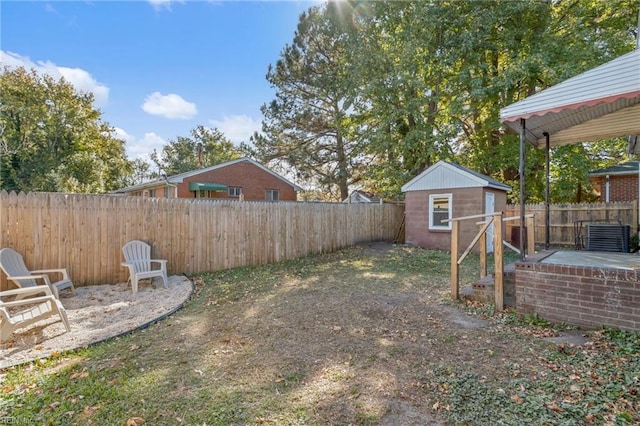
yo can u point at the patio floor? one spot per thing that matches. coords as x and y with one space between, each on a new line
623 261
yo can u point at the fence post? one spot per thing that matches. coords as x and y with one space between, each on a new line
498 274
454 260
483 256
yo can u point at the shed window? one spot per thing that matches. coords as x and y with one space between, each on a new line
439 210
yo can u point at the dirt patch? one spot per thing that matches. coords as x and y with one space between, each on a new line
357 341
95 313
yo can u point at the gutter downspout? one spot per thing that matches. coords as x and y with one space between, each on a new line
522 182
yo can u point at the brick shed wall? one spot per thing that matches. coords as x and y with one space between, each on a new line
579 295
253 180
466 202
622 188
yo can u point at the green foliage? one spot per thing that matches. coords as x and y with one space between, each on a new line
205 147
417 82
570 385
53 139
581 159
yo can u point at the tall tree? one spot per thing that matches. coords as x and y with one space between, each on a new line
398 56
435 75
204 147
514 49
53 139
308 126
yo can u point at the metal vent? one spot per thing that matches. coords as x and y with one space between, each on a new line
607 237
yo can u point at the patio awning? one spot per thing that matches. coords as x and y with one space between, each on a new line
601 103
206 186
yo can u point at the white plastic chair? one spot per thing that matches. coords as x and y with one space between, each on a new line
12 263
36 309
137 255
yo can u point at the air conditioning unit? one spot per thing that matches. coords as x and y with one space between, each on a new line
607 237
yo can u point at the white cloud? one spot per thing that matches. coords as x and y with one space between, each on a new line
237 128
79 78
120 133
163 4
139 148
169 106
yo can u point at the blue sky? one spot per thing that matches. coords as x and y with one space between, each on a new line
157 68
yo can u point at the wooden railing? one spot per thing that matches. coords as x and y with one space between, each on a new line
498 242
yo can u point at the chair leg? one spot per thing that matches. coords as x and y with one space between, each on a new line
134 284
63 314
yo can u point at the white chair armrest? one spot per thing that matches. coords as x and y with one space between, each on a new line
26 291
162 261
63 271
31 277
29 301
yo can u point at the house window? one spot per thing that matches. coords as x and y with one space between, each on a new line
272 195
203 193
152 193
439 210
235 191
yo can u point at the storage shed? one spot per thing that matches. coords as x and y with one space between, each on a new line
444 191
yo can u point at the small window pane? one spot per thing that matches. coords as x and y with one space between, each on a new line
439 210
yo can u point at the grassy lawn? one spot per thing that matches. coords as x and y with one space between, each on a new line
365 335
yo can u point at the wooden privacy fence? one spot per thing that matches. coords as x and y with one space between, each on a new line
85 233
563 217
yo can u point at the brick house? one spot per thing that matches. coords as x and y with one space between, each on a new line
616 183
243 178
444 191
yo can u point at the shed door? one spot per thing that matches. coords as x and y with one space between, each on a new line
489 207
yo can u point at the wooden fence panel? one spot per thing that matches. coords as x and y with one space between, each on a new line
564 218
85 233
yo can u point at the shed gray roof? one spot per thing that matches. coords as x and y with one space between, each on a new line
446 175
628 168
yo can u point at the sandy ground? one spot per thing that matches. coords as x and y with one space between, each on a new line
96 313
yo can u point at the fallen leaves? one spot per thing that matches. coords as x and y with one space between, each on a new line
135 421
79 374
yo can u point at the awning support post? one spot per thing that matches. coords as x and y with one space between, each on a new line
546 192
522 182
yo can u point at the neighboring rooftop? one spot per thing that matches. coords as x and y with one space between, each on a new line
628 168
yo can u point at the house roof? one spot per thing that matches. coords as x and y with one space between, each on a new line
628 168
601 103
445 175
179 178
367 197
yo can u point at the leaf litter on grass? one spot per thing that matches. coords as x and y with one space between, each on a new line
364 335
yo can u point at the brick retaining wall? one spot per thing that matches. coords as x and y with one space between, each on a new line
579 295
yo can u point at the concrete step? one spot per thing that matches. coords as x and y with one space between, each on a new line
483 290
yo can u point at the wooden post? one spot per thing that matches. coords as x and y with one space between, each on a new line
498 262
531 236
483 255
454 260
